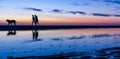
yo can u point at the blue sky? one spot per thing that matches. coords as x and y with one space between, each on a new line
93 8
89 6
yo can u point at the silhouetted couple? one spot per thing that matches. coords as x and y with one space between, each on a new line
35 20
35 34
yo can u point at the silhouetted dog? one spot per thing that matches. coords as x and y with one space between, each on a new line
11 32
11 22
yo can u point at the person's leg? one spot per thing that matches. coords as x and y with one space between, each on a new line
32 23
38 23
35 23
33 35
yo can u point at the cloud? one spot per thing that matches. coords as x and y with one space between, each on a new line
76 4
113 1
57 11
77 12
33 9
116 15
74 12
65 11
80 4
109 1
84 13
105 15
101 14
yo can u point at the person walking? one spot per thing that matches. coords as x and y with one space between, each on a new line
35 20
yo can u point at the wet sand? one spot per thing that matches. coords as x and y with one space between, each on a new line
92 43
107 53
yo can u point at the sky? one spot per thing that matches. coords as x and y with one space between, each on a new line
61 12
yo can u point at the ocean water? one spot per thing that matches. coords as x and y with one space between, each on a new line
23 43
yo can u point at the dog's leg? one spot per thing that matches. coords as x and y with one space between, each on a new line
14 23
11 23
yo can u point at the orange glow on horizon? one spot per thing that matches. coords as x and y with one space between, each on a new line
75 20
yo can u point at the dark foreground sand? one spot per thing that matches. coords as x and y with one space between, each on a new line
108 53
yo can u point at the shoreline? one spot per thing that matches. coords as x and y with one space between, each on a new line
42 27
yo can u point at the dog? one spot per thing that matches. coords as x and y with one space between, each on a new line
11 22
11 32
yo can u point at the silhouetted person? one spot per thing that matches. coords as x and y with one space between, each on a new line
35 34
35 20
11 32
11 22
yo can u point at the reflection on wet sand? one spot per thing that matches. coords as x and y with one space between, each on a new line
35 34
61 44
101 35
11 32
79 37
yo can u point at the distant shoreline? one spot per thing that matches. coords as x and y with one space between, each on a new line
43 27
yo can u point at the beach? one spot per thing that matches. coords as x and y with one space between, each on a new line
84 43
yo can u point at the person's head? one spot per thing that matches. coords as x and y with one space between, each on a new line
7 20
33 15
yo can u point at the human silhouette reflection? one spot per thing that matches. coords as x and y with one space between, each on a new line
11 32
35 34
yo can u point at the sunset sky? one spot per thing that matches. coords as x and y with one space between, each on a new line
61 12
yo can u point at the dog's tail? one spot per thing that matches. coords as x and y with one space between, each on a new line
16 22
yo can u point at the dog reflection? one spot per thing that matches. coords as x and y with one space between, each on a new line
35 34
11 32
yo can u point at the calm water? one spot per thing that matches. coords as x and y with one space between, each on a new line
51 42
